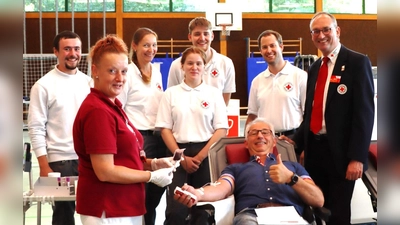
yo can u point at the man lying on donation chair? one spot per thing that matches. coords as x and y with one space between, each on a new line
264 181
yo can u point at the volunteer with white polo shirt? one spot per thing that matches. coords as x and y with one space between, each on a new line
142 94
219 70
277 94
193 116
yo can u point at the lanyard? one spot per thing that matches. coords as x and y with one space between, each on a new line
142 153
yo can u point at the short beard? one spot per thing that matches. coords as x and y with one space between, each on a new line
71 67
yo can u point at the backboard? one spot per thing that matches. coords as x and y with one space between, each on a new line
224 13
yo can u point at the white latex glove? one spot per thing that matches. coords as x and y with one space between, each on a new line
165 162
177 164
161 177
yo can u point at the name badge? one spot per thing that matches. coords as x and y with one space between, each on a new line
335 79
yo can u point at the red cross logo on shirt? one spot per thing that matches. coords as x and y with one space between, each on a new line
288 86
214 73
159 86
205 104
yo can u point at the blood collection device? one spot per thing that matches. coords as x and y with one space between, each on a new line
179 191
178 154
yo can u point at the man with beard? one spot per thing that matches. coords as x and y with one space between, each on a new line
54 101
219 71
277 94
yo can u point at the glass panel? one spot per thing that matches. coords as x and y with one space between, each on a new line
251 5
293 6
79 5
343 6
94 5
371 6
47 6
146 6
191 5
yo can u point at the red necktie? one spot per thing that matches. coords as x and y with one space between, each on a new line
316 114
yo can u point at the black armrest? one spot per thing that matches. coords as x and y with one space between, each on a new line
322 213
27 166
310 213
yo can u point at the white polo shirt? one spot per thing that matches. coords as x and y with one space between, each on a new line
193 114
279 98
219 72
140 101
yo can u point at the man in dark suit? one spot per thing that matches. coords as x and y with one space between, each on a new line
336 145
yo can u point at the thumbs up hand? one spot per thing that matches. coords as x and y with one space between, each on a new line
279 173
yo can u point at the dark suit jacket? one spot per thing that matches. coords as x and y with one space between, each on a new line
349 112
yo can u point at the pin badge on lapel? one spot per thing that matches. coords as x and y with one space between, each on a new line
342 69
342 89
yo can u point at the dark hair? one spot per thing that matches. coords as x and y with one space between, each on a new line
137 37
108 44
66 34
194 50
267 33
199 22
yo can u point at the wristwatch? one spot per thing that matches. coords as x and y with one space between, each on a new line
293 180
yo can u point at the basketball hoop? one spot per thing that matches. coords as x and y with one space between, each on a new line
225 31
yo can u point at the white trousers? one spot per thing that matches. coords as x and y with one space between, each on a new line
92 220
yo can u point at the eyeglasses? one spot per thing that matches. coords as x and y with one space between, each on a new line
325 31
264 132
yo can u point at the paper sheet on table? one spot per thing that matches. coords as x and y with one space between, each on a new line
279 215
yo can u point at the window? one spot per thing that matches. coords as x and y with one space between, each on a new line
247 6
371 7
68 5
285 6
293 6
352 7
252 5
191 5
166 5
146 6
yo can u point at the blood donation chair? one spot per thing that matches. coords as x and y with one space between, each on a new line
229 150
370 176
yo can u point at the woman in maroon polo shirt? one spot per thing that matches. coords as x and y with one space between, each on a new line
112 167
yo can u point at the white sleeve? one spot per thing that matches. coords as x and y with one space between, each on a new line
164 113
221 116
303 90
252 103
230 85
37 119
174 74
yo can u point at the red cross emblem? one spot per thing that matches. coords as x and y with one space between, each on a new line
342 89
205 104
288 86
159 86
214 72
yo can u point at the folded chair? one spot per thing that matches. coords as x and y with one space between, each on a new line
229 150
